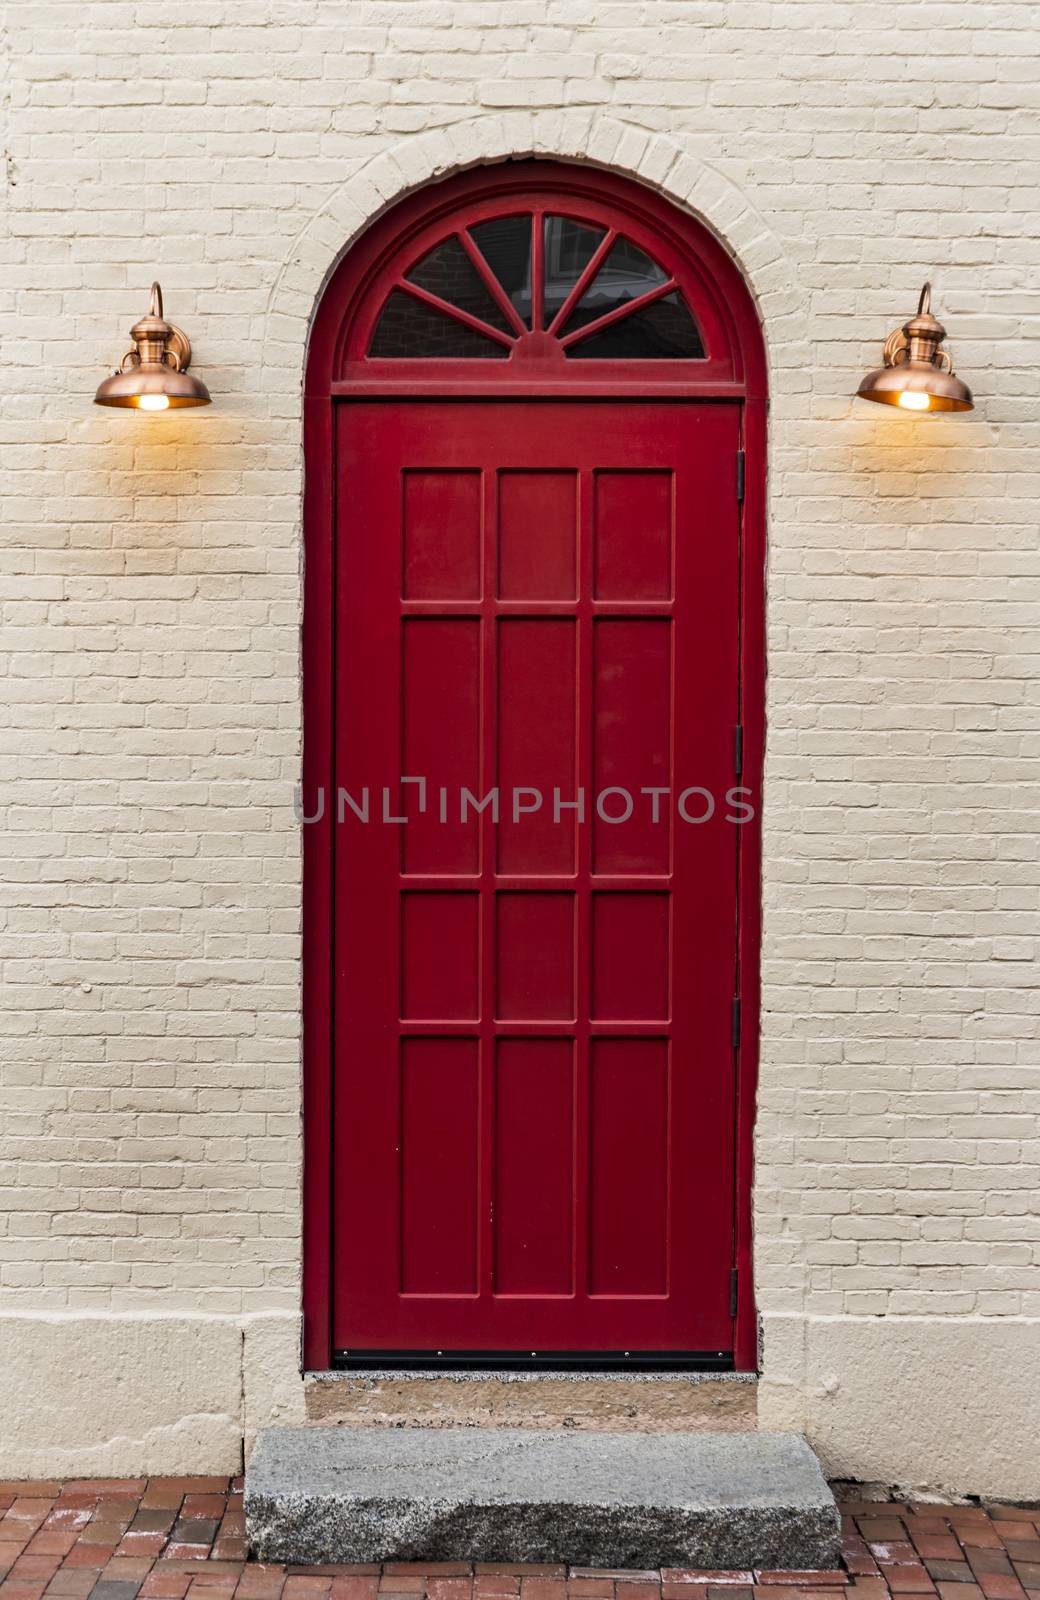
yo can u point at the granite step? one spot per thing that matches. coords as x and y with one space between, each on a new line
708 1500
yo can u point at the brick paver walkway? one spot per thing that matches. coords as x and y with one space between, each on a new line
165 1538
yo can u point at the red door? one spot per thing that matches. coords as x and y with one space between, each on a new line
533 1056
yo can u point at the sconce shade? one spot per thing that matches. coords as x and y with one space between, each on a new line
153 376
918 373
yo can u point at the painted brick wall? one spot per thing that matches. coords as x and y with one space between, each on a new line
149 1164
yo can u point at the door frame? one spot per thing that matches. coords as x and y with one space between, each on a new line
333 372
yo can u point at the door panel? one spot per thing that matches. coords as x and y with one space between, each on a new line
533 1068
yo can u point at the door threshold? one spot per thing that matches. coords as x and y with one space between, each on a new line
588 1361
638 1399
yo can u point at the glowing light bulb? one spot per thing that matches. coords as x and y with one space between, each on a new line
911 400
154 402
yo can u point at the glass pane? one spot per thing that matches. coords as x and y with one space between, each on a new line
661 331
627 273
408 329
569 247
505 244
448 272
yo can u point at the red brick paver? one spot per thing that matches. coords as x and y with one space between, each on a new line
184 1539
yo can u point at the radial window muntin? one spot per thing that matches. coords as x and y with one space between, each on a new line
491 289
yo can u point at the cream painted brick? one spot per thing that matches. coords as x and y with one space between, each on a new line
149 593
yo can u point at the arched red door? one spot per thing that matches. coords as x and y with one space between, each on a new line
534 431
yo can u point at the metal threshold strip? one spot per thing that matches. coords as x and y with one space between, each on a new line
536 1360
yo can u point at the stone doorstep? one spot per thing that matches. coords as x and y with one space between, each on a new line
645 1402
605 1500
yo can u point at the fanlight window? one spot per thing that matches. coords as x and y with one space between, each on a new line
485 289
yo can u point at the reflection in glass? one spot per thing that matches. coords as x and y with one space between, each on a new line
505 244
627 273
408 328
569 247
661 331
665 329
449 273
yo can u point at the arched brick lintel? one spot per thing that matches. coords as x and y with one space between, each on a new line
654 159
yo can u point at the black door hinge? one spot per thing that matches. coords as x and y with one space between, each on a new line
733 1292
738 749
741 468
735 1024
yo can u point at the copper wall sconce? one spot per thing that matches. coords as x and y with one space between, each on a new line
153 376
918 373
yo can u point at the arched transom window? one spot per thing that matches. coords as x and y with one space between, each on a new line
535 277
491 287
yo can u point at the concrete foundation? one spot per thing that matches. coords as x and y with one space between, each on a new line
949 1406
